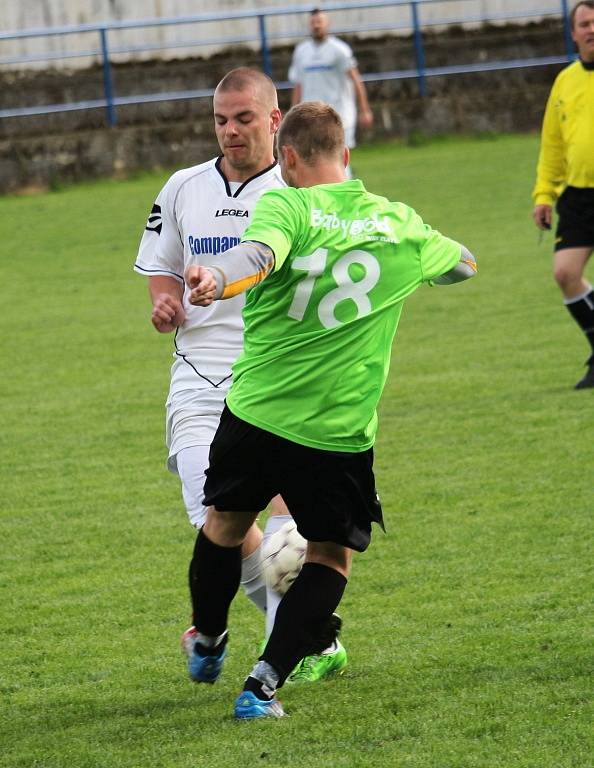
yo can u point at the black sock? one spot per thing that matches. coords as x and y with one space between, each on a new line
215 573
255 686
211 650
582 311
303 618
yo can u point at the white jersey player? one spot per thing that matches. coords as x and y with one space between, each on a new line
201 212
324 68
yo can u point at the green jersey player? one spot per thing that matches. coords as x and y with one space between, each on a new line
328 265
344 261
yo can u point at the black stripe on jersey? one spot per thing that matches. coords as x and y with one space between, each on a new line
245 183
155 222
193 367
164 272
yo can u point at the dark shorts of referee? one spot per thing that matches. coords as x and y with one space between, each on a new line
330 494
575 225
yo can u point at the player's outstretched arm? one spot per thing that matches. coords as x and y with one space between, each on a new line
239 269
168 310
202 285
464 269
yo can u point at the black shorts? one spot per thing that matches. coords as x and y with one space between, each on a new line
330 494
575 225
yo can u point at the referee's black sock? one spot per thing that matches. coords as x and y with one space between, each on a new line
304 618
214 580
581 308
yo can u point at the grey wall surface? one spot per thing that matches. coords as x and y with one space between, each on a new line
46 150
168 42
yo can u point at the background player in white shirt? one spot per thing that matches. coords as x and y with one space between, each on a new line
201 212
323 68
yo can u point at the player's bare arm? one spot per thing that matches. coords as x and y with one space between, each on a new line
168 310
242 267
296 95
364 113
464 269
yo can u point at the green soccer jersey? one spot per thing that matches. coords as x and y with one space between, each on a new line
319 328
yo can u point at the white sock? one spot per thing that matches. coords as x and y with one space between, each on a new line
273 598
252 579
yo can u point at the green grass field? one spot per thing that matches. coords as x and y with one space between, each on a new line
469 626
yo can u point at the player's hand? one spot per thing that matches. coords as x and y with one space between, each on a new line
168 313
366 118
202 285
543 216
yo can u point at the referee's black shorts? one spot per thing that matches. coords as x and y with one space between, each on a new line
330 494
575 225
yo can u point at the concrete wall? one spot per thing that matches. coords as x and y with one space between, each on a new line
169 42
43 151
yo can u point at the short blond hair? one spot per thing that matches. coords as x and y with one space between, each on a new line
313 129
242 78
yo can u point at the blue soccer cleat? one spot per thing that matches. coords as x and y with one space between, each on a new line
248 707
202 668
205 669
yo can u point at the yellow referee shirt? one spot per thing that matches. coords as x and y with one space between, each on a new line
567 145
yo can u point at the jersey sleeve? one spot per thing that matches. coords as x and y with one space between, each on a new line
276 222
346 58
550 172
438 254
161 250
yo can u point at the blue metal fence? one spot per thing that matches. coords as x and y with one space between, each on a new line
263 40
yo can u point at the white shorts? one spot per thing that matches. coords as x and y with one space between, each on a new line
192 418
193 410
191 466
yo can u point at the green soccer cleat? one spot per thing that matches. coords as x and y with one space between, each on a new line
322 665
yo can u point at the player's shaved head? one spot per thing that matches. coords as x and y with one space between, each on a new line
244 78
246 117
313 129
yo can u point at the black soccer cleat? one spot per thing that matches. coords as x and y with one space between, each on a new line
588 381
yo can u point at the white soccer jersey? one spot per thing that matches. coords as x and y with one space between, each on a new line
197 215
320 69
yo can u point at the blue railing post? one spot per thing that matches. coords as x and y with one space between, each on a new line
107 83
569 48
419 50
265 50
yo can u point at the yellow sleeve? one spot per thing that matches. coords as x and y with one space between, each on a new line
551 168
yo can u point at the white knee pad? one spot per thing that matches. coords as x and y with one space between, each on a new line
191 467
